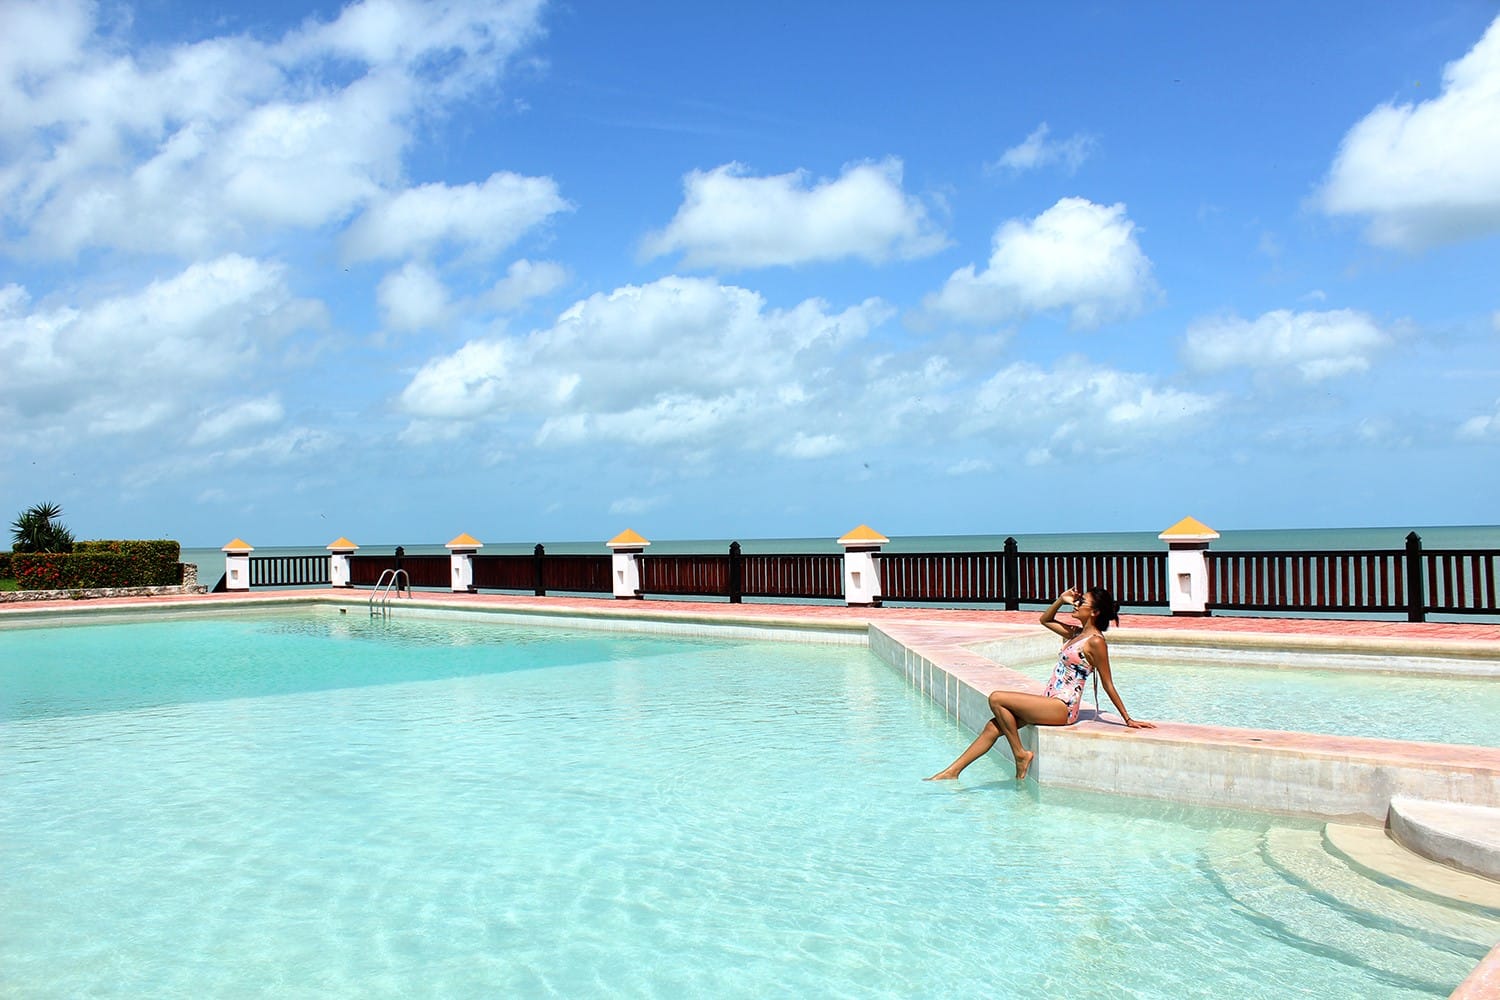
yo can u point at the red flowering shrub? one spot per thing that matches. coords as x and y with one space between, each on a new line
101 564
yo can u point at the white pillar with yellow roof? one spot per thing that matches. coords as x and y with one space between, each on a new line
862 566
627 547
339 552
1187 569
461 558
237 564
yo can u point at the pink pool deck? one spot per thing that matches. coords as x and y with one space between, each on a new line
1331 777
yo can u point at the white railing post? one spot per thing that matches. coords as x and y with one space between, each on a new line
625 566
1187 569
338 562
237 564
461 559
862 566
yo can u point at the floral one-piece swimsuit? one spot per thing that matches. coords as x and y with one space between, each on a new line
1069 677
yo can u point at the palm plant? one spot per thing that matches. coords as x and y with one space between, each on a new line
38 530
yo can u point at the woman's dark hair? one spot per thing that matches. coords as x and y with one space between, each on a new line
1106 609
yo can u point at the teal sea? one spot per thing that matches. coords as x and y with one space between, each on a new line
210 561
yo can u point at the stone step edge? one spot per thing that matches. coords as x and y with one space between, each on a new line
1373 902
1462 836
1369 850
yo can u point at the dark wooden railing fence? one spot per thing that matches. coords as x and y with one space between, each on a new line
421 571
796 576
1410 580
288 571
1373 581
1012 578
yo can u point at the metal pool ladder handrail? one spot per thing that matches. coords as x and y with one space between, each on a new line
390 579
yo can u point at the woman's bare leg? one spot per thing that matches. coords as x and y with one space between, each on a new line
981 746
1013 710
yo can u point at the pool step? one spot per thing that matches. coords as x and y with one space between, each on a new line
1465 837
1321 921
1374 852
1302 857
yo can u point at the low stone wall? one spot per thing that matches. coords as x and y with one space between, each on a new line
189 585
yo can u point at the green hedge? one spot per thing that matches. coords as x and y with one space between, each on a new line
107 563
5 569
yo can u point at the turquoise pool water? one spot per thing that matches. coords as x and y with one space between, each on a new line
324 805
1295 695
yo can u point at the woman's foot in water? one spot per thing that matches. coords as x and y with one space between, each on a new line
946 774
1023 764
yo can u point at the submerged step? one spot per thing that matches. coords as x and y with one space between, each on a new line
1303 918
1464 836
1301 856
1371 849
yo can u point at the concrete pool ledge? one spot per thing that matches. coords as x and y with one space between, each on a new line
1339 778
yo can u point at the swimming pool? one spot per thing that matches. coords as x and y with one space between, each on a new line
1382 697
321 804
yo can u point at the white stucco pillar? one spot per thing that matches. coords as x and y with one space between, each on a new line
1187 569
237 564
625 568
862 566
338 562
461 560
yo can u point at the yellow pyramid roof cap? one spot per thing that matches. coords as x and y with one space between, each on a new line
865 534
238 545
1188 529
341 543
627 538
465 541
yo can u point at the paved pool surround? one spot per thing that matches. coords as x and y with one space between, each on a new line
938 650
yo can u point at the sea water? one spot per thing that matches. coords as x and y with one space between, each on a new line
319 805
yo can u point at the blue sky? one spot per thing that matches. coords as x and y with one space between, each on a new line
397 270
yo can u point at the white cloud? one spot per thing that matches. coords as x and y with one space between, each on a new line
677 361
1483 427
634 505
186 149
1427 173
1078 408
130 362
1315 345
526 280
970 466
483 218
214 425
413 298
1077 256
729 219
1037 151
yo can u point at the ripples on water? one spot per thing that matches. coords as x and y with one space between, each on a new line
340 807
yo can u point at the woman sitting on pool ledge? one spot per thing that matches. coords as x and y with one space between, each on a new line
1084 651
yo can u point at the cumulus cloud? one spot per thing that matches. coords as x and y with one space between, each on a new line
1482 427
413 298
1314 345
677 361
226 421
1076 257
189 148
483 218
1038 151
133 361
525 280
1427 173
729 219
1076 407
